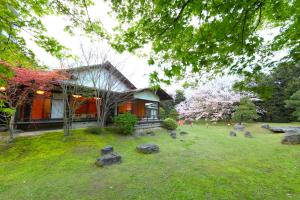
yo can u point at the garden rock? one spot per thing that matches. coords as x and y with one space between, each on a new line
109 159
285 129
183 133
16 131
232 133
107 150
173 134
239 127
291 138
3 129
247 134
266 126
151 133
147 148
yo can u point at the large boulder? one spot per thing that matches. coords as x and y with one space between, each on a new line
108 159
147 148
291 138
265 126
284 129
232 133
107 150
239 127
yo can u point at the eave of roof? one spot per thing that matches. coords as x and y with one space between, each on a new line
106 65
163 95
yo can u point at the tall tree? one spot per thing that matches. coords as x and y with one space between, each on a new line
274 88
217 36
294 102
246 111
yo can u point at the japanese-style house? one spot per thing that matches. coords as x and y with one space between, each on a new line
46 109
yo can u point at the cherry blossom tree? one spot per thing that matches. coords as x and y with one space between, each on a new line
214 100
19 88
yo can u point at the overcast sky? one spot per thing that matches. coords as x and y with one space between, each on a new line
134 67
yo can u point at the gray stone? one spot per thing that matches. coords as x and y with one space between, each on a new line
108 159
239 127
291 138
147 148
285 129
232 133
266 126
151 133
173 134
183 133
248 134
16 131
107 150
3 129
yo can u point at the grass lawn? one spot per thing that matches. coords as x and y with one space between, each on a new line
207 164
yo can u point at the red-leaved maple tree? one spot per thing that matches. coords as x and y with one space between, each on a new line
24 84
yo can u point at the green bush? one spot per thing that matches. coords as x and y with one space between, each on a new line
170 124
94 130
173 114
125 123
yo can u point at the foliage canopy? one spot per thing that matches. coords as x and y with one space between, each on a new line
189 36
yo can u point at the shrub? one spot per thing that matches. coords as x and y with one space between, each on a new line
173 114
170 124
125 123
94 130
162 113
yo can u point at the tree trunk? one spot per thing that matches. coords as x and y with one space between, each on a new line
242 119
66 119
11 127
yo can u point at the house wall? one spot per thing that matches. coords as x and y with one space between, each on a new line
107 81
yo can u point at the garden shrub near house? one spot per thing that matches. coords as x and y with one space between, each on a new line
170 124
125 123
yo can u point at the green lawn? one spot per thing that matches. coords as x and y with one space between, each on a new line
207 164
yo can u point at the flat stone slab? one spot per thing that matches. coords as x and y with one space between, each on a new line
148 148
239 127
108 159
106 150
291 138
284 129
